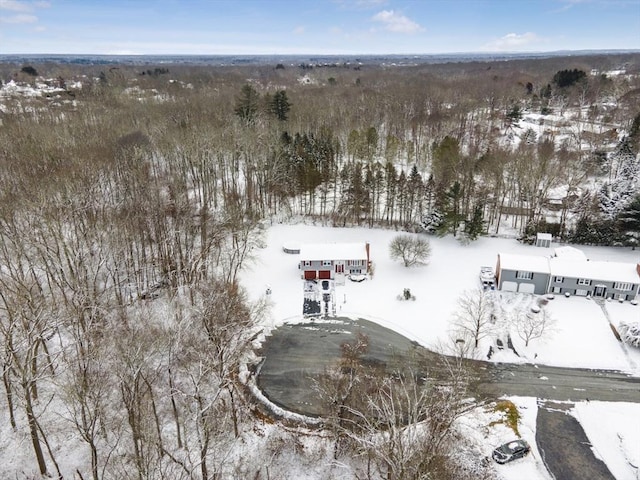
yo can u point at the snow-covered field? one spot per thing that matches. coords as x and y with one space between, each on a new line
581 336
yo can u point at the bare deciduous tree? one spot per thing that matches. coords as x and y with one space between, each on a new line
532 325
473 318
411 249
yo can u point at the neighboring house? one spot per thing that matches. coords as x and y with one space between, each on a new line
615 280
568 272
330 260
522 273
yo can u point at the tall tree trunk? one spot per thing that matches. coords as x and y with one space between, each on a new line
33 429
7 388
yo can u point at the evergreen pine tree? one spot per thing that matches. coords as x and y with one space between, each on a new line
247 104
629 222
475 227
453 217
279 106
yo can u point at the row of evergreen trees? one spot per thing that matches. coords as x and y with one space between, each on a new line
317 173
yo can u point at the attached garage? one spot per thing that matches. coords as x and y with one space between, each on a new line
527 288
324 274
309 274
523 273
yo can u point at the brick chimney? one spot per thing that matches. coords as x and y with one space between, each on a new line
366 247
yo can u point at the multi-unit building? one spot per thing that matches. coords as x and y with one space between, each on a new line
330 260
568 272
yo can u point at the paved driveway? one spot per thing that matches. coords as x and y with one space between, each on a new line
296 353
565 449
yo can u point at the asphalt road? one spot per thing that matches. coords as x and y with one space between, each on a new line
555 383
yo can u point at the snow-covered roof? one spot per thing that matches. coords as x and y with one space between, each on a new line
569 253
528 263
333 251
594 270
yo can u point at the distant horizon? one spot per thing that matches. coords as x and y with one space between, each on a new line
327 54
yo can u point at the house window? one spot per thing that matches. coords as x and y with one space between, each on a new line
625 287
558 279
584 281
557 290
326 263
524 275
307 263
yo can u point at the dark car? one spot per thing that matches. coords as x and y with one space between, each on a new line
511 451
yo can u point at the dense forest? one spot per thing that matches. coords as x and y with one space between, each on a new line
131 197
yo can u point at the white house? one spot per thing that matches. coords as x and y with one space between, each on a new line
330 260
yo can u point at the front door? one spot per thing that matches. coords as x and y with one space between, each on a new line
600 291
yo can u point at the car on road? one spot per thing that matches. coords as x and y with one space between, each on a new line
511 451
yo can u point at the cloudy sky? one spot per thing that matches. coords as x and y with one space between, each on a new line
316 26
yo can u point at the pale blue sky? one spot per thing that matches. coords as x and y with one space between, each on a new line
316 26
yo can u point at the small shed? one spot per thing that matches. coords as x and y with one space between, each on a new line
543 240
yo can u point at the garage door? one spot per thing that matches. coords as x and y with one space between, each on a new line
510 286
324 274
310 275
527 287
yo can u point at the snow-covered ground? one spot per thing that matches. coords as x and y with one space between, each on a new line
581 336
614 433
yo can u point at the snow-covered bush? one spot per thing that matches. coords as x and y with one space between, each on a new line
432 222
630 333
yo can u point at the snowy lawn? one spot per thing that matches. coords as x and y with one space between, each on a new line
614 433
625 313
580 337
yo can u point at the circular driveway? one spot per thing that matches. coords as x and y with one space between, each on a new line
296 353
